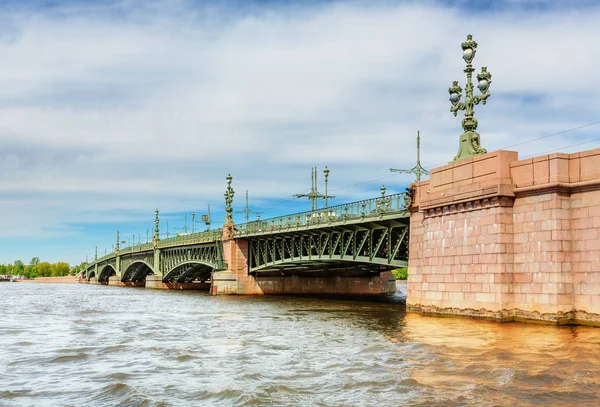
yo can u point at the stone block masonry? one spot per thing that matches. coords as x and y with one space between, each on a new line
508 239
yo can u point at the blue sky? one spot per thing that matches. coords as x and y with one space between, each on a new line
111 109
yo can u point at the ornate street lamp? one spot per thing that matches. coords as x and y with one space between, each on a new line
156 236
470 143
229 192
326 173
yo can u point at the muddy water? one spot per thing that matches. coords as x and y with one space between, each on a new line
74 345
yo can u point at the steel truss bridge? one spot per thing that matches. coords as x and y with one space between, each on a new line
360 237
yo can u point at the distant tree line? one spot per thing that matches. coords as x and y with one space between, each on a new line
37 268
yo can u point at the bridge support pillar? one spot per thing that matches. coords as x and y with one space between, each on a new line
94 280
115 280
117 267
506 239
154 281
234 280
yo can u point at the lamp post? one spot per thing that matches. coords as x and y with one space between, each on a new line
193 221
470 143
326 173
156 236
147 232
229 192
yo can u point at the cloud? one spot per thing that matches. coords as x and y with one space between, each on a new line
107 112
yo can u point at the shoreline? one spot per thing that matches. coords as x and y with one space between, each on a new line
65 279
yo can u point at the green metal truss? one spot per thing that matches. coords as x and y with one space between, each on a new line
376 245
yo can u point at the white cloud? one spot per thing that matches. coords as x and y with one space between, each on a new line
108 113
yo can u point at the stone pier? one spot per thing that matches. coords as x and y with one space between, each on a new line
507 239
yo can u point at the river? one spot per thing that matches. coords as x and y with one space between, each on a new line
82 345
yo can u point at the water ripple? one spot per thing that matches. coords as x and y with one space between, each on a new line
73 345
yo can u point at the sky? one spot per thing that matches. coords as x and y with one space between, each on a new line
112 109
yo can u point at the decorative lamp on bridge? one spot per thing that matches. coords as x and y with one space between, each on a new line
229 192
470 143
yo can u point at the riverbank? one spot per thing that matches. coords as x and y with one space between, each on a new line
66 279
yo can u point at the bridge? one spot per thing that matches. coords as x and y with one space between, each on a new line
348 248
491 236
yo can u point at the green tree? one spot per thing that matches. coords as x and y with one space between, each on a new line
401 273
60 269
44 269
19 267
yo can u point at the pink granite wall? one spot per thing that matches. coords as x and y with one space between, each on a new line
496 237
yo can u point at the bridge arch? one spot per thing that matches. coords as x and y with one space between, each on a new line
189 271
137 271
106 272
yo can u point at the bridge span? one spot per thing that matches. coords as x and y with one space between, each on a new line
343 249
490 236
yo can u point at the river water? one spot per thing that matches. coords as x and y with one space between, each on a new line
82 345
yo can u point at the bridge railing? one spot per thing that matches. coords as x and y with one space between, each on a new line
192 238
334 214
105 257
137 248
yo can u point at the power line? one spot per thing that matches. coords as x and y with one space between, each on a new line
554 134
365 182
565 147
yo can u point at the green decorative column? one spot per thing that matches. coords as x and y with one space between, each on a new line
470 142
118 256
229 192
96 263
155 241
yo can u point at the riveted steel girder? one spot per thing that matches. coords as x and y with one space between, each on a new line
177 263
381 243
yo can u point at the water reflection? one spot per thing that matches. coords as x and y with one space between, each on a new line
93 345
505 364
